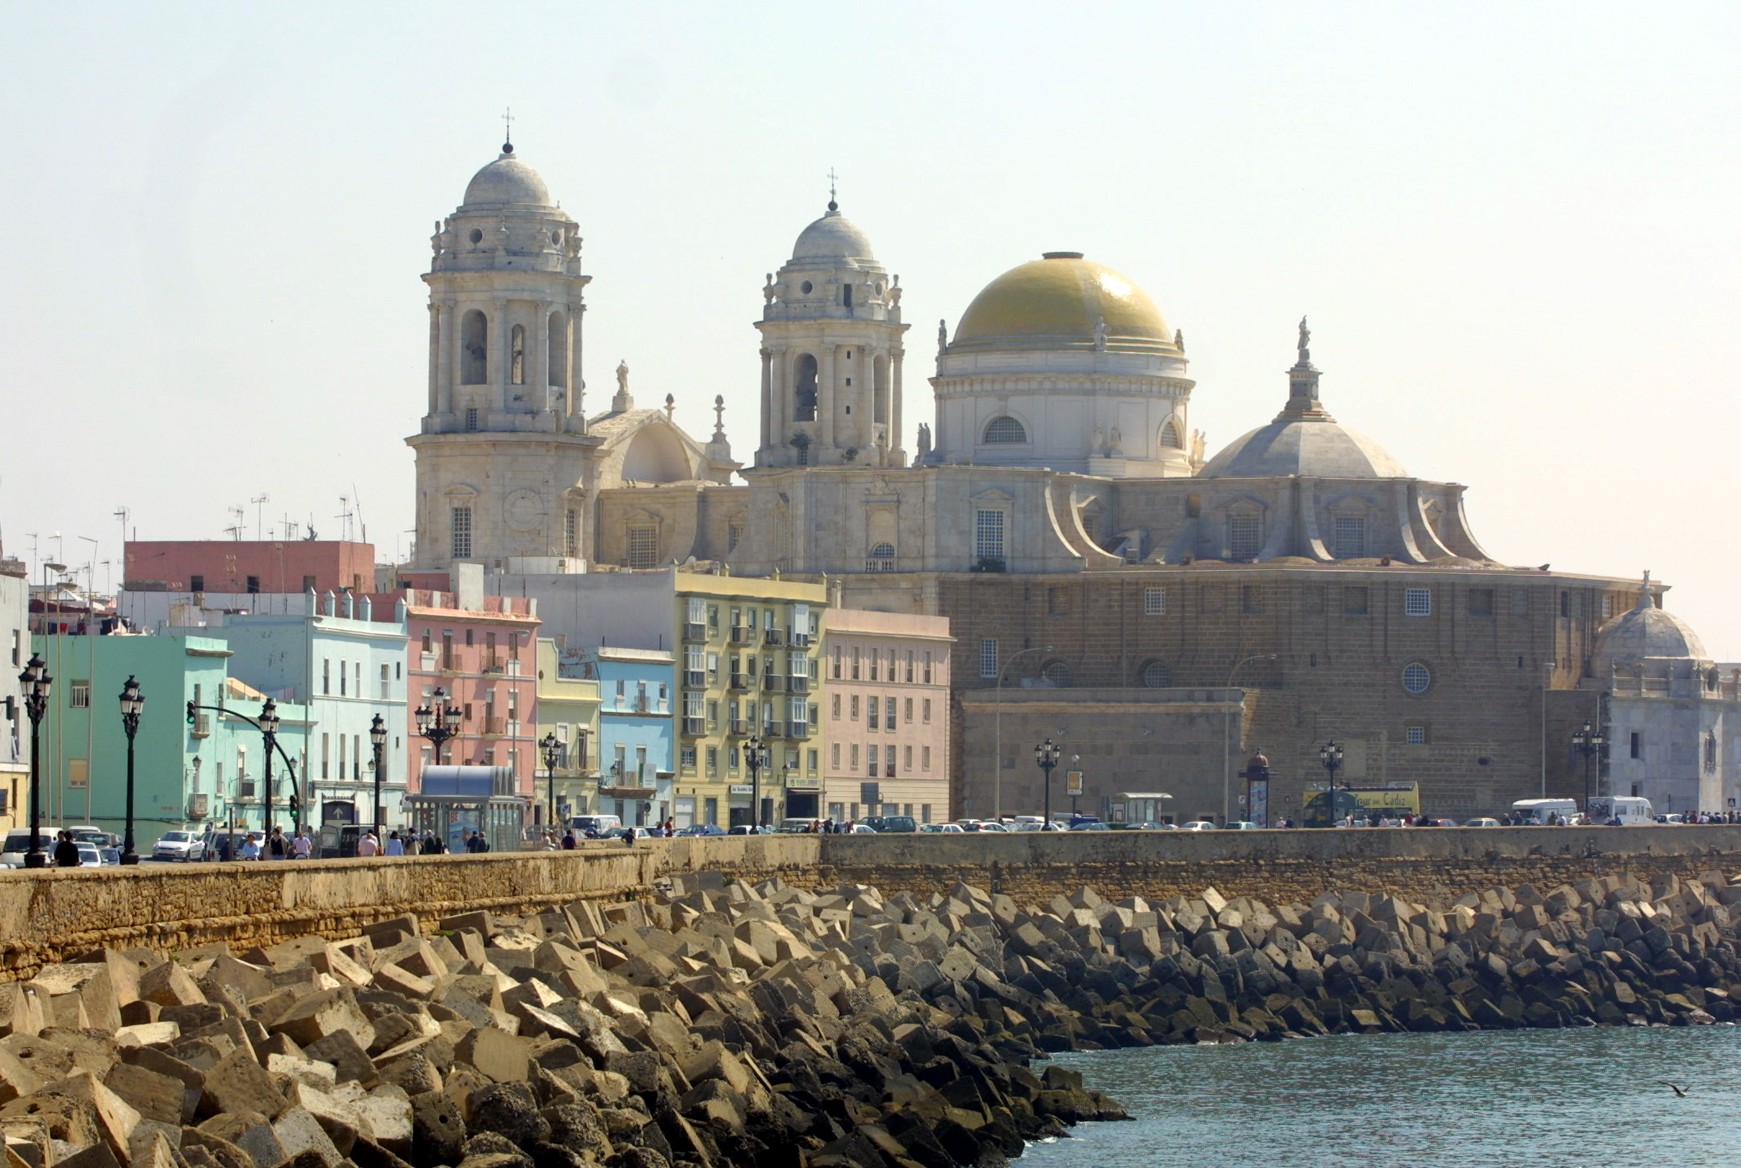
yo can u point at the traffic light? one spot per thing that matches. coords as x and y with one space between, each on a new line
295 806
191 706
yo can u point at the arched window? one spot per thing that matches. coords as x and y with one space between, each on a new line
804 390
1004 431
558 372
1156 675
474 343
881 558
1057 673
880 390
846 295
1170 435
1416 678
517 347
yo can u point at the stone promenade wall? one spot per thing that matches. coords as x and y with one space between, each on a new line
1277 867
56 916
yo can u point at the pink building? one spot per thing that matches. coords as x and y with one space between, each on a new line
887 715
483 652
248 566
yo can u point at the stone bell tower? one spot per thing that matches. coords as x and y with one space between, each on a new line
831 353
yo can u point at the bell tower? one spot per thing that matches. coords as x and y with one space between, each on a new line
502 451
831 353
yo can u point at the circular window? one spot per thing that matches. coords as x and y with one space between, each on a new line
1156 675
476 236
1416 678
1057 673
806 287
556 238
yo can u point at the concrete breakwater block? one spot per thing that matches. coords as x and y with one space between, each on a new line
720 1023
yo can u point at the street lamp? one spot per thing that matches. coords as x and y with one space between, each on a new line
755 758
439 722
1331 757
269 730
36 686
1227 734
1046 754
1589 741
378 739
132 705
997 726
552 747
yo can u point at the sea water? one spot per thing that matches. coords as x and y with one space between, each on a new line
1590 1097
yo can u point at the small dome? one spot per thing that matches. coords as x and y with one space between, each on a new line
1059 302
1318 449
1644 632
833 237
506 181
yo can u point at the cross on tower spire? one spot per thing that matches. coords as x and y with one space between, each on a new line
832 205
508 130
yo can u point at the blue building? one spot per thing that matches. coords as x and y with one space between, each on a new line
635 750
344 668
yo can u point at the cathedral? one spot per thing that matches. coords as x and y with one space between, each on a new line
1158 610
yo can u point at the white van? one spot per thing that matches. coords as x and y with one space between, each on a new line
1628 809
18 843
1537 811
596 825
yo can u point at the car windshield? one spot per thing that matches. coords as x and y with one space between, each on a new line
178 837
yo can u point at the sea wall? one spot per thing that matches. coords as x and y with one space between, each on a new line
55 916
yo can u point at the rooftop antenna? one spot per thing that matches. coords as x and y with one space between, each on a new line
344 516
832 205
508 131
235 529
362 528
259 514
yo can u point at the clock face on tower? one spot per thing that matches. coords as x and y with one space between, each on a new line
525 509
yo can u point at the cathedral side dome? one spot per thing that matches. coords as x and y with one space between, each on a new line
1063 301
1643 633
833 237
507 181
1303 449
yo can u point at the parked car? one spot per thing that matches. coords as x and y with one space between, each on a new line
1197 825
18 843
109 856
90 833
639 833
862 829
799 825
89 856
890 823
992 825
942 829
1151 827
179 845
1239 825
702 830
1481 821
1089 825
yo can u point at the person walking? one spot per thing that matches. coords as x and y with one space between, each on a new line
568 841
276 847
251 847
433 845
66 852
302 847
368 845
395 845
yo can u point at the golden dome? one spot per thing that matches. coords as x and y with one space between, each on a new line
1060 302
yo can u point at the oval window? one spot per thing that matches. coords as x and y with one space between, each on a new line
476 236
1416 678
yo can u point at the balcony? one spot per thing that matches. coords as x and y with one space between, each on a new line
694 727
492 663
202 726
494 727
798 683
743 635
742 682
772 637
773 683
198 806
695 631
738 727
642 704
773 730
800 640
694 678
448 663
798 730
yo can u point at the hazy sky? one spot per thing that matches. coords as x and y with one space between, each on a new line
1516 230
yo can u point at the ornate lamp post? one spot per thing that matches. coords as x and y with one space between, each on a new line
438 721
1046 754
132 705
1588 741
269 730
552 748
1331 757
36 686
378 740
755 757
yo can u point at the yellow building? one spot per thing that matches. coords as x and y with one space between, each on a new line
567 732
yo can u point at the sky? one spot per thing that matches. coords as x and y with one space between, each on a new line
1514 228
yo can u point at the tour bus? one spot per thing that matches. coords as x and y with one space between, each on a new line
1536 811
1364 804
1628 809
